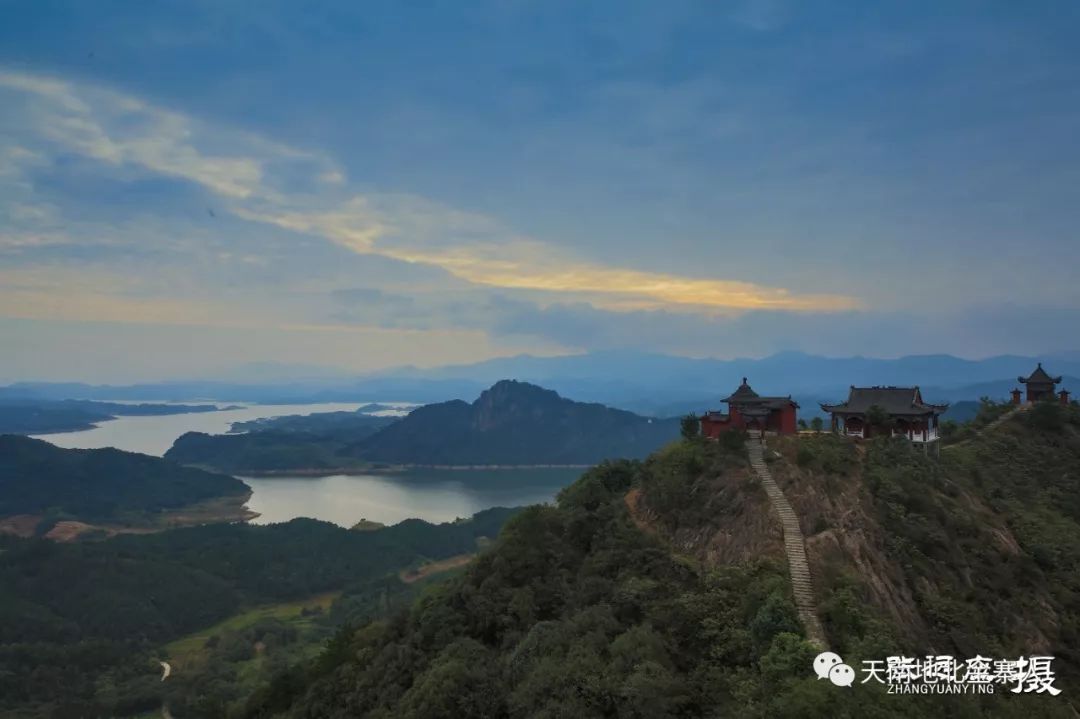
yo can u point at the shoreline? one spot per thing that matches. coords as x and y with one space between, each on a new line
387 469
230 509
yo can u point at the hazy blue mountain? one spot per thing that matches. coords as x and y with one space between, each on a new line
963 411
381 389
649 383
998 390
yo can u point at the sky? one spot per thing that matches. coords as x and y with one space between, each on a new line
189 187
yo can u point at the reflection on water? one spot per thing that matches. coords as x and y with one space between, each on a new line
432 495
154 435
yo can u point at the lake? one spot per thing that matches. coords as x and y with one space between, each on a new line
154 435
432 495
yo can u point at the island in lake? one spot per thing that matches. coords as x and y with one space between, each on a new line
30 415
511 424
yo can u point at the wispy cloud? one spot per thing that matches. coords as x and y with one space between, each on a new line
260 181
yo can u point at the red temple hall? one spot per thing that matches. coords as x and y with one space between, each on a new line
749 410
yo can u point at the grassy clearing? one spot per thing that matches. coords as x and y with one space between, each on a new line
430 569
191 650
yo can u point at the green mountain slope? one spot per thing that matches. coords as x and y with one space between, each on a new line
99 484
81 624
515 423
658 589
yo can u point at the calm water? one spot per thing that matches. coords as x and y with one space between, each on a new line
154 435
433 495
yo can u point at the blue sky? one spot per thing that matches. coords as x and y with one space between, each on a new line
189 186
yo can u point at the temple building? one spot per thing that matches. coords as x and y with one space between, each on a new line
907 414
749 410
1040 387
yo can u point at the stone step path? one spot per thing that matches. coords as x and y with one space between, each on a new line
999 421
802 586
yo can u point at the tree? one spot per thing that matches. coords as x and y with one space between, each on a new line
817 424
691 426
802 425
948 429
877 417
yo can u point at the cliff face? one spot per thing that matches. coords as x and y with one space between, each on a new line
508 402
719 515
972 551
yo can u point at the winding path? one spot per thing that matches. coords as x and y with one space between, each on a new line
794 545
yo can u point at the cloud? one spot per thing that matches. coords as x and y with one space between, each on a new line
582 326
976 332
302 192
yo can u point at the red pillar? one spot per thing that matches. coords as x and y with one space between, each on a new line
1016 396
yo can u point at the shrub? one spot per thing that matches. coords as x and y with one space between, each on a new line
734 441
690 426
1047 417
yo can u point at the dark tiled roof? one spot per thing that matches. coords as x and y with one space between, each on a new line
742 394
894 400
744 397
776 402
1039 376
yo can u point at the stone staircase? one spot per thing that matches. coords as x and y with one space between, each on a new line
794 546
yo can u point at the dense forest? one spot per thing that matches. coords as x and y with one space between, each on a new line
655 589
81 623
98 484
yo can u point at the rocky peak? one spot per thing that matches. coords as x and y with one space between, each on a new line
508 399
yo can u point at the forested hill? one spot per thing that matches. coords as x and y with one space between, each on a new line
515 423
30 415
310 442
99 484
82 624
659 589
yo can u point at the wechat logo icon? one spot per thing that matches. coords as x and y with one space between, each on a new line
829 665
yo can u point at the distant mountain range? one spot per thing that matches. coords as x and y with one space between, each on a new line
646 383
